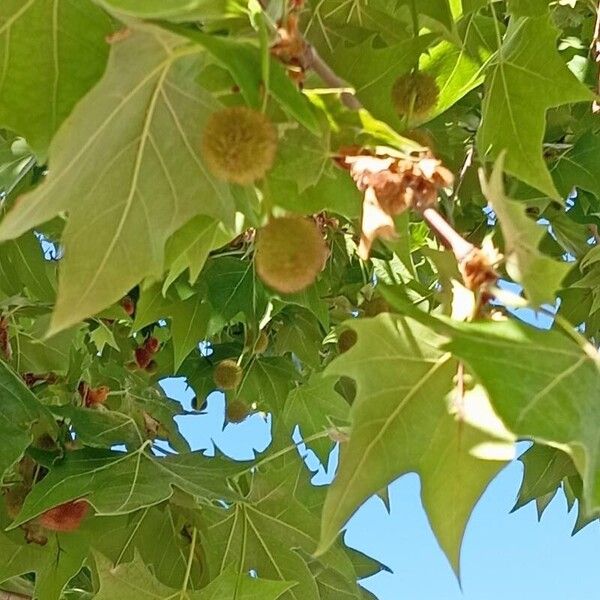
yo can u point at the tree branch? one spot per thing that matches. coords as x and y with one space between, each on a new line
326 73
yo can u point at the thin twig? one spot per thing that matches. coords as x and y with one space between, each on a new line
447 234
326 73
188 569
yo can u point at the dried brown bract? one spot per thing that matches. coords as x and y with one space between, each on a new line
292 49
5 347
392 184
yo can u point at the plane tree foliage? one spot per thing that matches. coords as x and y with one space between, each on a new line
343 215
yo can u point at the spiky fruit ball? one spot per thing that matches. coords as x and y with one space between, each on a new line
290 253
237 411
346 340
239 144
414 93
227 375
65 517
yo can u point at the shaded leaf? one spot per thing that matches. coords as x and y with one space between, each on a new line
155 179
119 483
51 53
312 406
20 410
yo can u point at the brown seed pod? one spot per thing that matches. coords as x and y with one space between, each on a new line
414 93
290 254
143 357
14 498
375 306
227 375
128 305
64 517
239 144
152 367
346 340
237 411
93 397
152 344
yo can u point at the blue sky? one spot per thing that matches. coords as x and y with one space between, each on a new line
504 555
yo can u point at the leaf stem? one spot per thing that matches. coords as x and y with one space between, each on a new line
188 569
447 234
326 73
283 452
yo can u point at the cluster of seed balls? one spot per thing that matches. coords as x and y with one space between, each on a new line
239 145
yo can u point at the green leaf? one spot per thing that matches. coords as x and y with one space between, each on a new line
131 580
271 532
401 423
267 381
54 564
24 269
372 71
20 410
153 304
544 468
154 413
118 483
458 69
189 325
174 10
539 275
101 428
541 384
51 53
528 8
513 119
244 62
579 167
301 335
135 581
16 161
188 248
313 405
103 336
40 354
231 585
233 288
128 156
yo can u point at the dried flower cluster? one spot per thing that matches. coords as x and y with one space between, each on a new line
292 49
391 185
